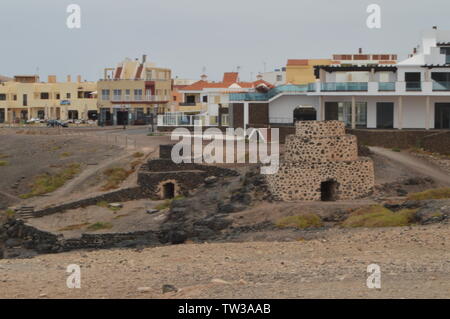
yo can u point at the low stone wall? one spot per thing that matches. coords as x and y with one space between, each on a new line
433 141
437 143
122 195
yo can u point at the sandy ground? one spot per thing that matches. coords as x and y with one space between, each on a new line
415 263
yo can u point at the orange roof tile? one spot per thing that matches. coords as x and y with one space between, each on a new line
230 77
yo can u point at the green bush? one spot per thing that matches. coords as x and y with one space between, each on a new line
379 216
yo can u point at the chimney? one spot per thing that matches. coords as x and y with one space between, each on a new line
415 51
204 77
51 79
435 28
69 78
144 58
79 78
360 50
259 77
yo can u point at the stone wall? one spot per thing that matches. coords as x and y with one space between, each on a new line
122 195
321 163
436 141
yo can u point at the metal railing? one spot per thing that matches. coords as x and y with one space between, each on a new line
139 98
180 119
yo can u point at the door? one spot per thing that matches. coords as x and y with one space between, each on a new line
385 115
442 116
122 117
331 111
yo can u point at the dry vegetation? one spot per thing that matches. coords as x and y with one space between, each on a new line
47 183
438 193
379 216
114 177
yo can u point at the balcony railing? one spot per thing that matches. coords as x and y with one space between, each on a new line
152 98
413 86
441 86
386 86
344 86
180 119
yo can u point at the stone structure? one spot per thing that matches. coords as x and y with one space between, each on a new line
163 179
322 163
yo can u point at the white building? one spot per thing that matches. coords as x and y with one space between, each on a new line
412 94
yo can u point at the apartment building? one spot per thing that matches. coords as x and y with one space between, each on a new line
301 71
25 97
411 94
134 92
207 102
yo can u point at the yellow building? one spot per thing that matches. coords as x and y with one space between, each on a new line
25 98
134 92
302 71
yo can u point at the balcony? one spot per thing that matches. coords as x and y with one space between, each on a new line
386 86
413 86
441 86
344 87
139 99
181 119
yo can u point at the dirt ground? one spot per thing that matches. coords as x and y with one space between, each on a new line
131 218
414 262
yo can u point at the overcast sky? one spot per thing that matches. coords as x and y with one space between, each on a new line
187 35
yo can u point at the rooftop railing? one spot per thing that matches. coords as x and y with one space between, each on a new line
386 86
413 86
441 86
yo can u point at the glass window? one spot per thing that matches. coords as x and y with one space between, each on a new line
345 113
105 95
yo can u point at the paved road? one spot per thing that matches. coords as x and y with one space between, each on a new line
415 164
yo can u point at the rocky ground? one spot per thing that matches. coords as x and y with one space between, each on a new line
414 261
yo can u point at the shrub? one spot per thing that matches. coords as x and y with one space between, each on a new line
164 205
65 154
379 216
138 154
437 193
47 183
8 213
396 149
307 220
4 163
115 176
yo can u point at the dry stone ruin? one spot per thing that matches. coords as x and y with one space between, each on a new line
321 163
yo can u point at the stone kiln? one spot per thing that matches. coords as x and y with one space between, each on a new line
321 163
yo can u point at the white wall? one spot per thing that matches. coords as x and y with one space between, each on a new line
284 106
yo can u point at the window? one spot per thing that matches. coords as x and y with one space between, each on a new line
446 51
45 96
2 97
105 95
117 94
58 96
205 99
68 95
345 113
138 95
279 78
127 94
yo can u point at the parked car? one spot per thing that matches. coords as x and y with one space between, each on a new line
56 123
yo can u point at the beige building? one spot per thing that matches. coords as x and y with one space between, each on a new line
134 92
25 98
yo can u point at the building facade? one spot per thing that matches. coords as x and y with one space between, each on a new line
411 94
133 93
25 98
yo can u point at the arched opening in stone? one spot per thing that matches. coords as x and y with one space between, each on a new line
329 191
168 190
305 114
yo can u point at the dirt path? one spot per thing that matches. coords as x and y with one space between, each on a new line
417 165
414 263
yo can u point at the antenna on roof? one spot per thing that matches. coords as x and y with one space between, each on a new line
264 63
204 70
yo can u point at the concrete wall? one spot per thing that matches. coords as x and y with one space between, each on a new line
284 106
